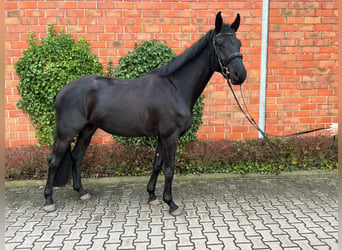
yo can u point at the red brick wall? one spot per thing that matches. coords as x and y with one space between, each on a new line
302 60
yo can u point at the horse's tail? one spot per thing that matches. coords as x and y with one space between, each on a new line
63 172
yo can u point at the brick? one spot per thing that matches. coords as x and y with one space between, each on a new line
47 5
152 29
215 5
67 5
162 6
93 13
144 6
87 5
35 13
11 5
54 13
27 5
151 13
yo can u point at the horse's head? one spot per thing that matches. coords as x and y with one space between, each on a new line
227 50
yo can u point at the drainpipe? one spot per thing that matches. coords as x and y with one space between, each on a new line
263 66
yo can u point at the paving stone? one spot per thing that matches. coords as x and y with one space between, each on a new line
233 226
208 227
275 229
169 235
126 243
250 212
257 242
29 242
197 233
212 239
249 230
194 222
184 240
86 239
38 245
215 247
170 245
314 241
244 245
303 244
266 235
182 227
67 244
114 237
223 232
229 243
285 242
199 243
240 237
102 233
274 245
330 243
156 241
243 220
143 225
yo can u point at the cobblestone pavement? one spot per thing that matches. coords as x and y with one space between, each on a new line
239 212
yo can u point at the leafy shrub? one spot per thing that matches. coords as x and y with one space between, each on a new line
197 157
44 69
146 57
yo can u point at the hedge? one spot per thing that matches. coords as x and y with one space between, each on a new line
197 157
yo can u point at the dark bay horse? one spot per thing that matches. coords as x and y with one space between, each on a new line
158 104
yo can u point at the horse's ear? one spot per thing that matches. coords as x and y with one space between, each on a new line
235 25
218 22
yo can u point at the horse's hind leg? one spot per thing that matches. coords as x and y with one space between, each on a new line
54 159
78 152
151 186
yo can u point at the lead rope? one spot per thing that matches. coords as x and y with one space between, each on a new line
266 135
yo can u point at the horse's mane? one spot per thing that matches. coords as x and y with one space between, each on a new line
171 67
186 56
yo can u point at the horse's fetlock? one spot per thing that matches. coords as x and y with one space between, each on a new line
167 198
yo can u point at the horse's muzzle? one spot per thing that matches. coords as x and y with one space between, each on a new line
237 72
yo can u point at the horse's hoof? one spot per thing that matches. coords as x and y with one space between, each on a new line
50 208
154 202
86 196
177 212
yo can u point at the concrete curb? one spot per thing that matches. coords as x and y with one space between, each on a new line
178 178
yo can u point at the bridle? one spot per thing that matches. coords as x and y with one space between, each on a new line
225 62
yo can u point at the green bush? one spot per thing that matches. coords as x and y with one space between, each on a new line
44 69
146 57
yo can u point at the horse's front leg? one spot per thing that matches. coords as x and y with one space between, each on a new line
157 165
169 154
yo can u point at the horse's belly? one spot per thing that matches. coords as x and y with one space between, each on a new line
128 127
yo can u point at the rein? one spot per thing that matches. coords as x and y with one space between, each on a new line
266 135
225 72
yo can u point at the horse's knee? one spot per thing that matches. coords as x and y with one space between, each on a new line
168 172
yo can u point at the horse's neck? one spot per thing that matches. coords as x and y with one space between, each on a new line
194 76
